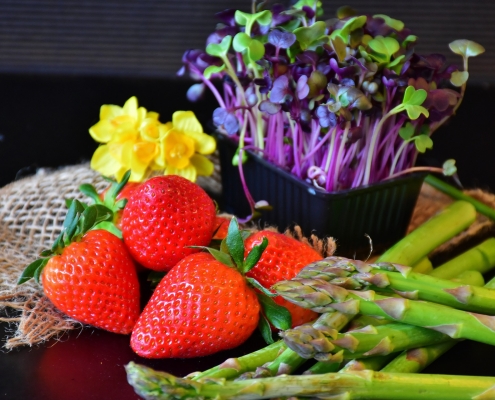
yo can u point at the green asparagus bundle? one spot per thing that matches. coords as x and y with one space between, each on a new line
351 385
330 346
321 296
399 279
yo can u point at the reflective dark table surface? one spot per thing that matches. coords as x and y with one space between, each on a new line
89 365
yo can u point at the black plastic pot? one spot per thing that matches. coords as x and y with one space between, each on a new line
382 211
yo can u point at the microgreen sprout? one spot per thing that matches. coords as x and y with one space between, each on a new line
339 103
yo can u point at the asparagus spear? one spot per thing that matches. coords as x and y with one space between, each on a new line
321 296
437 230
389 277
330 346
479 258
351 385
233 367
457 194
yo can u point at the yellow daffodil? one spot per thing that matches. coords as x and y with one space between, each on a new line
130 137
185 145
134 139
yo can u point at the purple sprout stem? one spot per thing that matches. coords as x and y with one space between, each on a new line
338 159
329 161
295 129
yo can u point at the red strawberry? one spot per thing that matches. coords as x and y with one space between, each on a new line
282 259
221 227
89 275
163 218
199 308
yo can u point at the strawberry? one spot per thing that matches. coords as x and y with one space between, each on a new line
282 259
163 218
200 307
221 227
89 274
205 304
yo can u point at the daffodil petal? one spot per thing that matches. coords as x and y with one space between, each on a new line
103 162
186 121
153 115
189 172
203 143
145 151
102 131
202 164
131 107
110 111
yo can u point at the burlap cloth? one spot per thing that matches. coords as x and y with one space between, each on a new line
31 214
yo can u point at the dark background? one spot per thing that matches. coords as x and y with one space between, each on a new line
60 60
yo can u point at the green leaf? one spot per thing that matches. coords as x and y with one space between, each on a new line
408 40
235 159
71 215
218 255
413 112
116 188
241 42
345 12
339 47
219 49
102 213
235 244
30 270
423 142
110 227
276 314
256 50
383 47
459 78
449 167
353 24
246 19
407 131
393 23
466 48
265 329
90 191
88 219
213 69
254 255
414 97
306 35
39 270
254 283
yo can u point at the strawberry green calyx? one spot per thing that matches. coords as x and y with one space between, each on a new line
80 219
231 253
321 296
352 385
399 279
110 200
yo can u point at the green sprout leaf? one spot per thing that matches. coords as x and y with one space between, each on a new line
459 78
253 48
408 40
351 25
466 48
246 19
423 142
219 49
407 131
449 167
339 47
393 23
213 69
345 12
383 48
310 37
412 102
